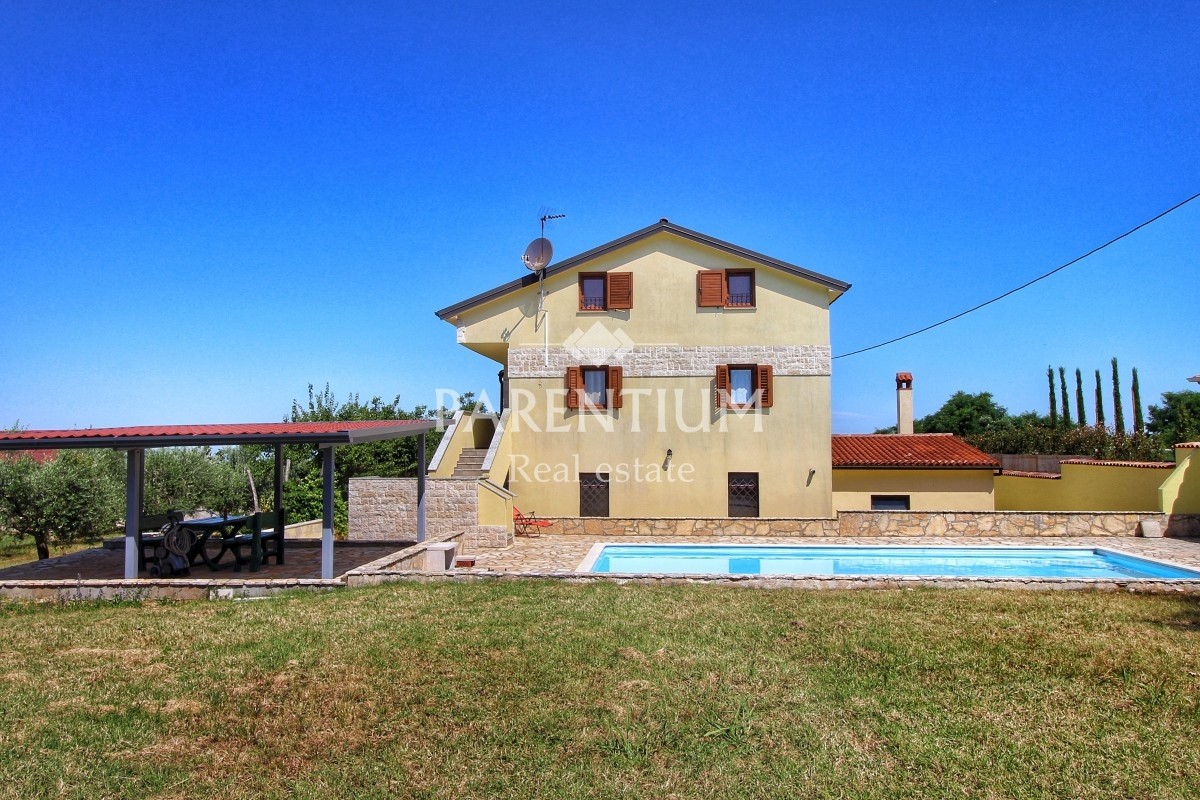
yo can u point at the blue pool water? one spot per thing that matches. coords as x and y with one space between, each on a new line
939 562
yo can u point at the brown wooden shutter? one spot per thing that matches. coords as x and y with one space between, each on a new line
721 387
619 291
710 288
574 386
615 385
766 391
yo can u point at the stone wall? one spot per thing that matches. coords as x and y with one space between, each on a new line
386 509
881 523
668 361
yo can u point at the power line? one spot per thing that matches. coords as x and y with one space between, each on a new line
1093 251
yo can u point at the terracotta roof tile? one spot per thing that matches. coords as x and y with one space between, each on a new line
1019 473
1189 444
930 450
1093 462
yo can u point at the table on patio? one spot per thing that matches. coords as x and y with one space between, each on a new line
188 540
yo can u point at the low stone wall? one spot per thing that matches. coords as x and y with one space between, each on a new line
886 523
386 509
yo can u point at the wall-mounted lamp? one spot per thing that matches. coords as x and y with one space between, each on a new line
811 473
667 460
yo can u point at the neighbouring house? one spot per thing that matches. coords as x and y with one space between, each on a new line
663 374
911 472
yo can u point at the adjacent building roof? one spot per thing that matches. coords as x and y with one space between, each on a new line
1021 473
662 226
1092 462
915 450
220 434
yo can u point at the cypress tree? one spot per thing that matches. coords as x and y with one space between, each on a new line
1139 424
1118 414
1062 381
1079 410
1053 398
1099 402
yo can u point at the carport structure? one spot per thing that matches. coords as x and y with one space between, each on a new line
325 435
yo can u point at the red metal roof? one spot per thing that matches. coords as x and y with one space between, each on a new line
929 450
224 433
1092 462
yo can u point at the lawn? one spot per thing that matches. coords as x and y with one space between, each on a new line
545 689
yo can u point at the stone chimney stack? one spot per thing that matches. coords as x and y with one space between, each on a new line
904 407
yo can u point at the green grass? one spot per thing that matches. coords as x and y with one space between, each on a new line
553 690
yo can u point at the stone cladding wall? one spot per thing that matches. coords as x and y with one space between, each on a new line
880 523
386 509
669 361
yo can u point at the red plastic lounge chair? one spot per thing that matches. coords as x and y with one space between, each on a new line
527 524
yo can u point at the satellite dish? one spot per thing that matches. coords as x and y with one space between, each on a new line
538 254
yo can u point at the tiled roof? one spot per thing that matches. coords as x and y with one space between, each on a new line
1189 444
1092 462
929 450
224 433
1020 473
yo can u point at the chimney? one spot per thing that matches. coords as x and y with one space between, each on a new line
904 408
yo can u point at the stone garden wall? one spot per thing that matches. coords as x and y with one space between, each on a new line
385 509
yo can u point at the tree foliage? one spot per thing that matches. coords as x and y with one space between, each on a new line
964 414
74 496
1177 420
1118 412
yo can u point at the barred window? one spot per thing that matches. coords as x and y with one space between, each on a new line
743 494
593 494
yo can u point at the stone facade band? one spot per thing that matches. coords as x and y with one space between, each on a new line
669 361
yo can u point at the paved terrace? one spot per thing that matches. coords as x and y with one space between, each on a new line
556 553
302 560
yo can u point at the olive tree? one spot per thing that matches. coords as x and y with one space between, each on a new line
77 495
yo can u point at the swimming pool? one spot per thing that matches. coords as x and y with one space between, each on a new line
871 560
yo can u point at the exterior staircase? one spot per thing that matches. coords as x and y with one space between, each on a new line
470 463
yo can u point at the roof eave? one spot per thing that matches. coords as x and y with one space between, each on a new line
833 284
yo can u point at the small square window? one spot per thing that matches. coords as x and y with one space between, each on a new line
595 386
593 494
591 292
740 288
743 494
889 502
741 386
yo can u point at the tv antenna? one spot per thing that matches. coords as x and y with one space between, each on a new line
537 257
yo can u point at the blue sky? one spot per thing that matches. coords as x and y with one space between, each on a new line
204 209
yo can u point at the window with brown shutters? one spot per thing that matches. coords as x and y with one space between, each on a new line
594 387
710 288
620 291
725 288
605 291
574 386
743 386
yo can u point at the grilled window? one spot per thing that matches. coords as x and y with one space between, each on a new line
743 494
725 288
606 291
740 287
889 502
593 494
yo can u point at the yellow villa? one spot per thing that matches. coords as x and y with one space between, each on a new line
663 374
